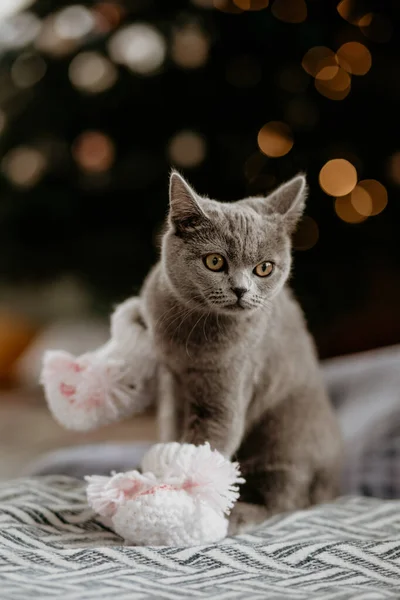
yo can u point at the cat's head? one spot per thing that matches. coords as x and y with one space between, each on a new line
230 257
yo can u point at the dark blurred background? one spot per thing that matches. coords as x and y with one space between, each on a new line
99 99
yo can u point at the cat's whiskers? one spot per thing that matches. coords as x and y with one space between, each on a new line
164 316
204 326
190 333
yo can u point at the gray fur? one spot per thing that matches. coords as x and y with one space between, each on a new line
245 378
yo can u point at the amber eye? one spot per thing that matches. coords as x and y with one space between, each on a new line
264 269
214 262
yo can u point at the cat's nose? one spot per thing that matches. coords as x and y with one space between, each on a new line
239 291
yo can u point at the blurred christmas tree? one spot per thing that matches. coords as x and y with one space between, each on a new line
99 99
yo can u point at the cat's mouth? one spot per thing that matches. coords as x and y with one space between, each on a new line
236 306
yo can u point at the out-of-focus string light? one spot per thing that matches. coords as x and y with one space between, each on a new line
187 149
49 41
321 62
361 201
251 4
74 22
227 6
24 166
306 235
338 177
275 139
108 15
336 88
302 114
355 58
94 152
243 71
190 47
140 47
290 11
377 193
19 30
346 211
91 72
365 20
393 168
351 11
27 70
10 7
376 27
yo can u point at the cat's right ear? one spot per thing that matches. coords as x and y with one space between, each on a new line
185 212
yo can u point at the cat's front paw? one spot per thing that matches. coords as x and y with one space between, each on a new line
245 517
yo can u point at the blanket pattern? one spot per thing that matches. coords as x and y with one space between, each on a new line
51 545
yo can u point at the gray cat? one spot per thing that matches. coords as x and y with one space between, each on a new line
237 365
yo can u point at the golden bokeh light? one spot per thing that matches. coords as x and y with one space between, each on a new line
376 27
351 11
361 201
345 8
187 149
190 47
346 211
327 71
365 20
251 4
306 235
94 152
24 166
336 88
275 139
377 193
227 6
290 11
393 167
338 177
355 58
92 73
317 59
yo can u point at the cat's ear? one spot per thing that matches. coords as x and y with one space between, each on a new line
288 200
185 212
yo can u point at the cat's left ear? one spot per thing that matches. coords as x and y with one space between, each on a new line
288 200
185 211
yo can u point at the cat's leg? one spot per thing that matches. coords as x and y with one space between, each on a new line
290 461
214 409
273 491
246 516
169 413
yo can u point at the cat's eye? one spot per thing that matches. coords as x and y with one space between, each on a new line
214 262
264 269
